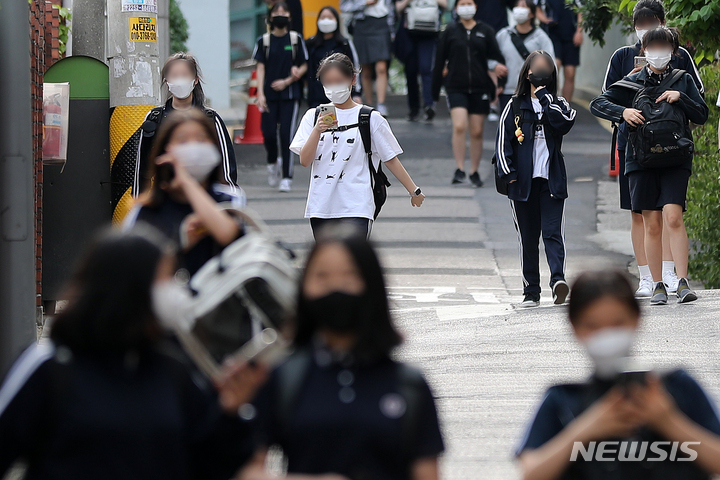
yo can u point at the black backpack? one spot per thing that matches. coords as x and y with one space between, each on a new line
378 180
664 139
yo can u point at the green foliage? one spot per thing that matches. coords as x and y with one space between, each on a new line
178 28
703 216
63 28
699 23
599 15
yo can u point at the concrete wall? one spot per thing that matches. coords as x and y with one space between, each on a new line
209 41
594 60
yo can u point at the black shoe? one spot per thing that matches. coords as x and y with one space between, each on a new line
560 290
660 296
475 180
459 177
685 294
531 300
429 114
412 117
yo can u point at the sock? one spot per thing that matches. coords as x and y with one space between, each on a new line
668 267
644 271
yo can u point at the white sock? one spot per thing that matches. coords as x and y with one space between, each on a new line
644 271
668 267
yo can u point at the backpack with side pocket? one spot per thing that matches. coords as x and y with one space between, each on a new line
664 140
378 180
423 16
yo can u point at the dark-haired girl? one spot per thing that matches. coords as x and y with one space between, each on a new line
658 193
181 73
340 404
340 183
186 191
281 63
529 158
325 42
631 410
105 397
461 66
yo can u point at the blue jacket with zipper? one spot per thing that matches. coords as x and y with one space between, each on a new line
515 159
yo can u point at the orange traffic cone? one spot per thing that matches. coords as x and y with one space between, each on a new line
252 134
614 170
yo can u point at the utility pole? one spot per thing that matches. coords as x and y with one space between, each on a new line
134 88
88 29
17 237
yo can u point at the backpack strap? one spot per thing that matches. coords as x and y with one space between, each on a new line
518 43
266 45
627 84
364 127
294 41
671 79
152 122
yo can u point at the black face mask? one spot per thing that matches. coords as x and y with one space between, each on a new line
540 78
280 22
338 311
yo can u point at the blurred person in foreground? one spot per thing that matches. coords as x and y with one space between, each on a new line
106 397
340 407
617 404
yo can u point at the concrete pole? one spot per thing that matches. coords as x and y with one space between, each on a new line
134 90
164 29
17 238
88 29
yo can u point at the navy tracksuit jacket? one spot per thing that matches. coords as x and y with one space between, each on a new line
538 204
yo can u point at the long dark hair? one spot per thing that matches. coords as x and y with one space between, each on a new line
155 195
377 337
523 85
197 93
110 310
592 286
317 39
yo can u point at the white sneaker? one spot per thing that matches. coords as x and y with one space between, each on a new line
645 289
273 174
493 117
382 109
671 281
285 185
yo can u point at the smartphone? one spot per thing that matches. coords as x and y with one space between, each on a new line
640 62
327 114
629 377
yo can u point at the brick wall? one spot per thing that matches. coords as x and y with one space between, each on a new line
43 53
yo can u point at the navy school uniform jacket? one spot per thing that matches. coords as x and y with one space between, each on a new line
622 63
515 160
611 104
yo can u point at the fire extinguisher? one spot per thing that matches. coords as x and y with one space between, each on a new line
52 128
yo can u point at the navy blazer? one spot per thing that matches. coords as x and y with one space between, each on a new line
515 160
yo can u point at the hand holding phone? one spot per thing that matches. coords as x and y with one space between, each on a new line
327 117
640 62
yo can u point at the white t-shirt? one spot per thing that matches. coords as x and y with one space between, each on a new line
378 9
541 155
340 178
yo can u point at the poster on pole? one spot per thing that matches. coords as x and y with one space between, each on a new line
143 29
147 6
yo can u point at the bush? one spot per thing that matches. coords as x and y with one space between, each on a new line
703 216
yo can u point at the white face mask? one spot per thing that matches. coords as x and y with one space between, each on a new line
198 158
610 350
640 33
466 12
658 59
521 14
182 87
170 305
327 25
337 94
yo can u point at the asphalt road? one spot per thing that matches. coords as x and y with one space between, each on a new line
454 281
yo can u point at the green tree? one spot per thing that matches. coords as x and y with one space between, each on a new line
178 28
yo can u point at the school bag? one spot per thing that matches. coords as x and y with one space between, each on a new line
294 41
664 139
423 16
378 180
500 184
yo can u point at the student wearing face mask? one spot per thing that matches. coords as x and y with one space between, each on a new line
612 405
658 161
281 64
181 74
340 183
647 15
465 48
517 42
186 190
340 407
106 396
530 161
325 42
